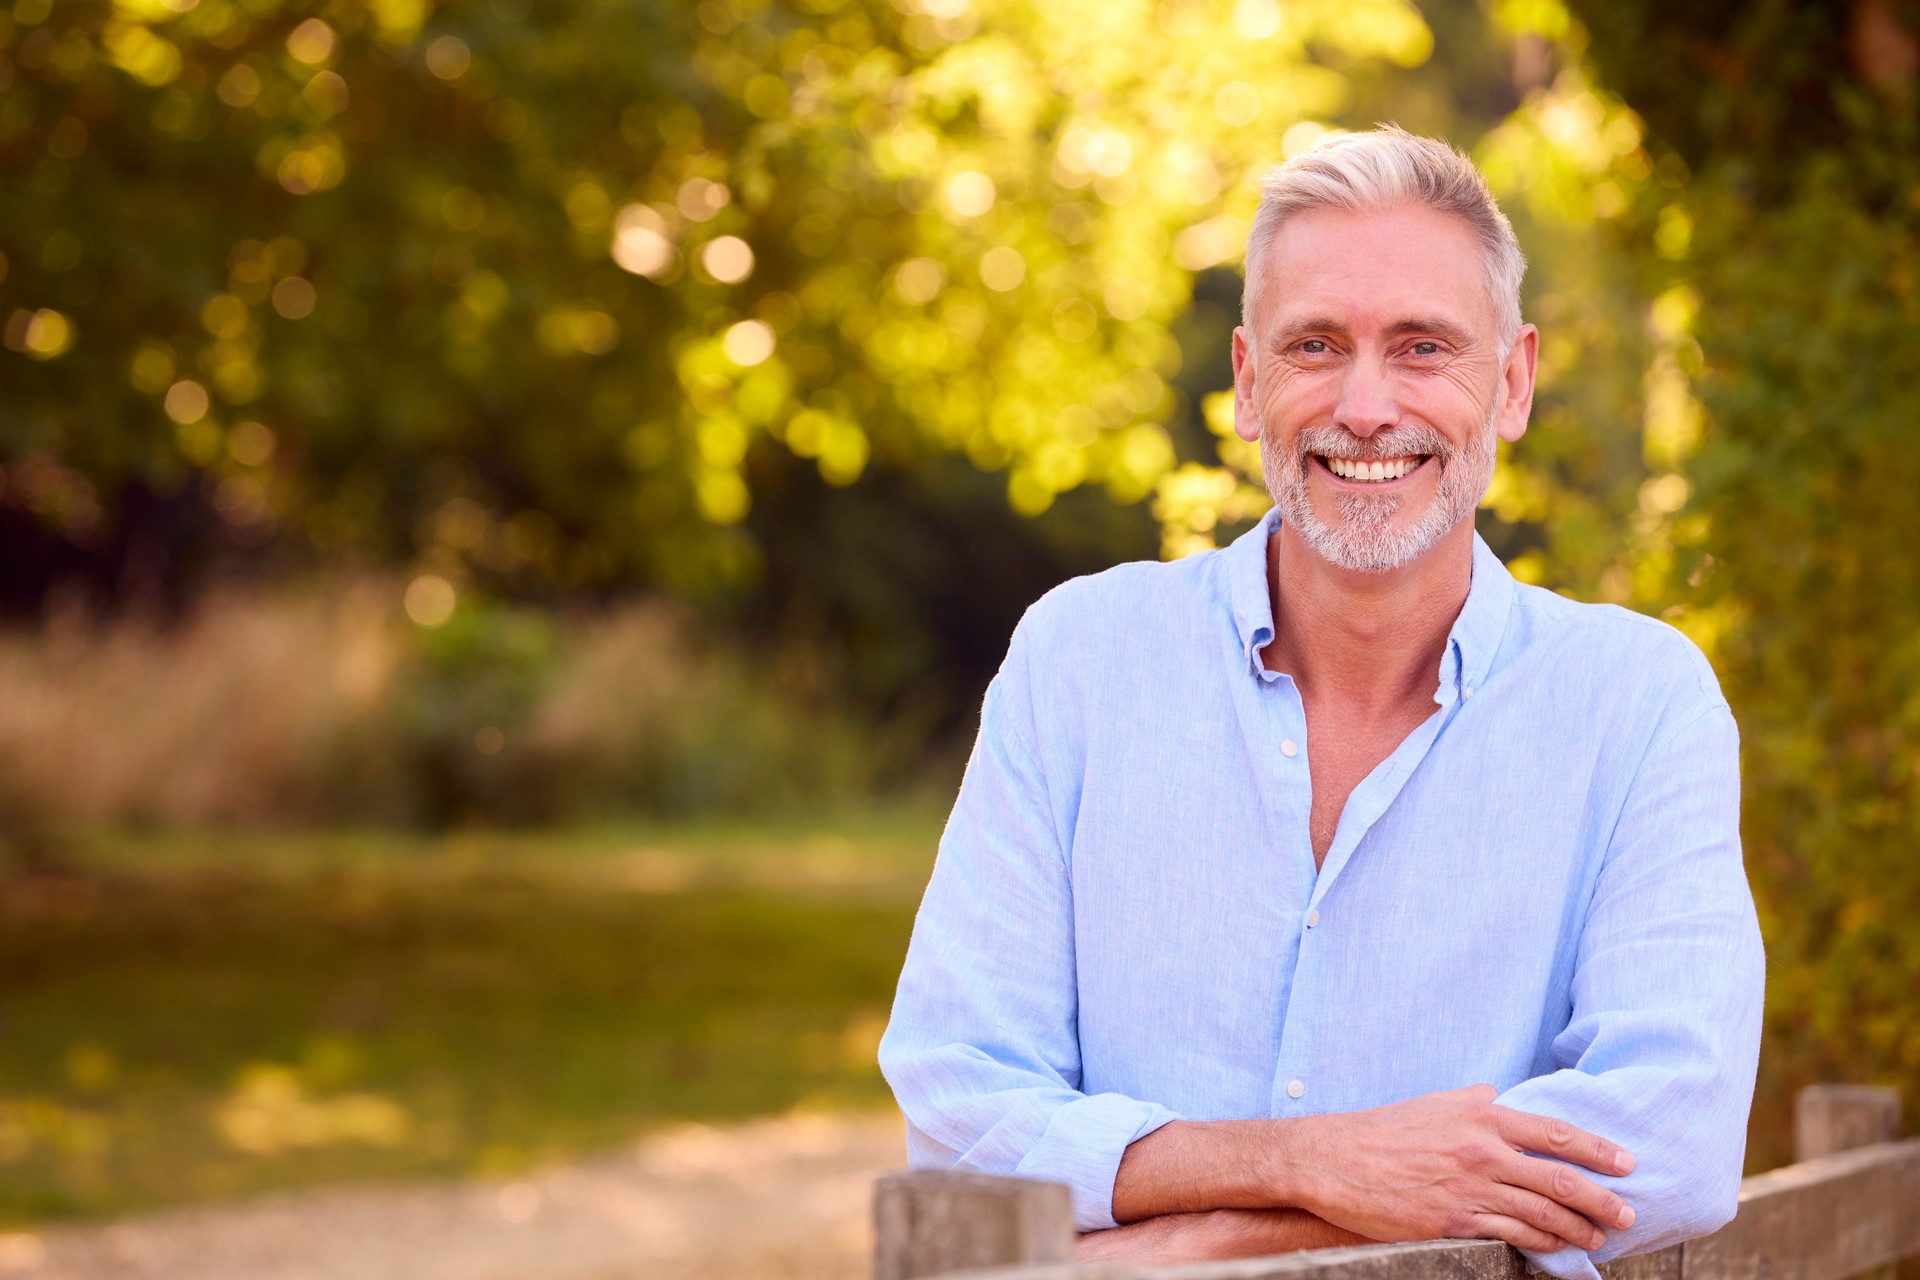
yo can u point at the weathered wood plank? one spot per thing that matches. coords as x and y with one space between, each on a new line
1830 1218
933 1222
1825 1219
1839 1117
1661 1264
1421 1260
1424 1260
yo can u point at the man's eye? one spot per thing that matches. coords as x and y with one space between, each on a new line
1426 348
1313 347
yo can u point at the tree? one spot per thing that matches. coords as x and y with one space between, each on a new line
522 290
1797 269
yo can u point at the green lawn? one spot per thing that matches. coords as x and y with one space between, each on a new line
188 1017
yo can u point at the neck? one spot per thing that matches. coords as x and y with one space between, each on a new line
1372 641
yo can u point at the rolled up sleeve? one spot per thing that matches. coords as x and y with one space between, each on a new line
982 1049
1660 1052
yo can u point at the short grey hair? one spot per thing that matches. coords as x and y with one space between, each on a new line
1380 169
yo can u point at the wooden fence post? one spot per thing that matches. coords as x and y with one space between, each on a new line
929 1222
1839 1117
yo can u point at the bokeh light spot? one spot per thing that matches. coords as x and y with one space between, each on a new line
48 334
224 316
640 243
748 343
294 298
251 444
918 281
700 199
311 42
186 402
1257 19
728 259
970 193
722 496
326 93
239 86
448 57
1002 269
430 600
1075 320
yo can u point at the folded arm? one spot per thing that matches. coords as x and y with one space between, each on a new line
1657 1058
982 1051
1661 1048
1634 1143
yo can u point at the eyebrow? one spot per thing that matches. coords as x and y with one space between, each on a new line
1435 325
1312 324
1439 328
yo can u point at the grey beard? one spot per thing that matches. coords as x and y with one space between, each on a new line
1365 539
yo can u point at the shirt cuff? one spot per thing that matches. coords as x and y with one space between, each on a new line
1082 1148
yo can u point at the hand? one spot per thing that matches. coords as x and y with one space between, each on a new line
1452 1165
1212 1235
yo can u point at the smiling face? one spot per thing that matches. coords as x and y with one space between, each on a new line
1375 380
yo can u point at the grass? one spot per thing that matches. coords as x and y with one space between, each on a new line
192 1017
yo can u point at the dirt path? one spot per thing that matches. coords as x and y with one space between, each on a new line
781 1199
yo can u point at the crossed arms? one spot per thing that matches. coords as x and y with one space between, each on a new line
1655 1058
1447 1164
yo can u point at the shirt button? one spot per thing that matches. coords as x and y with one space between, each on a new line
1313 918
1295 1088
1288 750
1467 692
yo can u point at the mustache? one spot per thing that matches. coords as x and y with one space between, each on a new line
1396 442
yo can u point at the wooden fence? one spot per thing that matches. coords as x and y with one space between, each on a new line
1850 1204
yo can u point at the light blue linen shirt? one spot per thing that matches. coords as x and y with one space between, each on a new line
1540 889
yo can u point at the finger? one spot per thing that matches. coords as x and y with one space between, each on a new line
1550 1216
1552 1136
1521 1235
1563 1185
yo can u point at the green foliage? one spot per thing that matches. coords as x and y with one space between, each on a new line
1804 482
521 289
1786 354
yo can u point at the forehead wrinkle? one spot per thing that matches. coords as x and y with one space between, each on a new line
1403 259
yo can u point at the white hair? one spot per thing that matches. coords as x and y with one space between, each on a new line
1380 169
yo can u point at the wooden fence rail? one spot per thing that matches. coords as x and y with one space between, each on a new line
1850 1204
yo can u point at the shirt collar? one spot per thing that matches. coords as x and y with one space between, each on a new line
1471 644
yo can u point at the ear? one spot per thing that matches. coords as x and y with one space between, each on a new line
1246 405
1516 393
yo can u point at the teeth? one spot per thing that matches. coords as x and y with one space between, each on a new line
1370 472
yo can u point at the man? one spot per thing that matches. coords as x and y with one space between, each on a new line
1334 886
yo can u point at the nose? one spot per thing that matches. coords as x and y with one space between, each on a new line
1366 403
